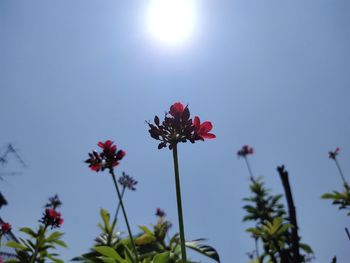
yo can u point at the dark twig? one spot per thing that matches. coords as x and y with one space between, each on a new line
347 232
292 213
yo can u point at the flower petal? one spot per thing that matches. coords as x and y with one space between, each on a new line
196 123
206 126
209 136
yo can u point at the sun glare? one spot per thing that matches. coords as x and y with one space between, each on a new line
171 21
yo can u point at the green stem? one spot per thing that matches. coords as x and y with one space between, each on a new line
340 171
249 168
118 207
38 242
179 204
125 217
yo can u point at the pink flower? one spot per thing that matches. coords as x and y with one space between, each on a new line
201 131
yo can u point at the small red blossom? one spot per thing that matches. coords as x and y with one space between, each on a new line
334 154
177 109
108 158
5 228
52 218
246 150
1 260
107 146
201 131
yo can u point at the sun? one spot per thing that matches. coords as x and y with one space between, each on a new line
171 22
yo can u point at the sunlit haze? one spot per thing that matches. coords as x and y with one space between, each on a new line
171 22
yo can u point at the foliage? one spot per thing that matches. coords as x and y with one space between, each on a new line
341 199
272 227
152 245
36 247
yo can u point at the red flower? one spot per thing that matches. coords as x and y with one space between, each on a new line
201 131
107 146
176 109
108 158
52 218
178 127
5 228
246 150
334 154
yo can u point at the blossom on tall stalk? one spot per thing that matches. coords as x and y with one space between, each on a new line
244 152
127 182
178 127
333 155
341 199
109 158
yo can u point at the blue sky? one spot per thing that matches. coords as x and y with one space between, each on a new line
272 74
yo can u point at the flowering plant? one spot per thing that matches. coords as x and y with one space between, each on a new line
36 247
178 127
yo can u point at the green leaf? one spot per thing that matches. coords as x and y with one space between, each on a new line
161 258
306 248
203 249
105 218
144 239
108 252
15 245
54 235
108 260
146 230
28 231
60 243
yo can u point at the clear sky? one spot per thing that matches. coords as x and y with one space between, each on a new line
272 74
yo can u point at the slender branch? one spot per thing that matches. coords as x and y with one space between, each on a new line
292 213
179 204
124 213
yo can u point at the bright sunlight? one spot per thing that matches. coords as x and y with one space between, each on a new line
171 22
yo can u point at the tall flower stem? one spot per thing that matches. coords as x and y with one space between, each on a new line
249 167
118 207
125 217
179 204
340 171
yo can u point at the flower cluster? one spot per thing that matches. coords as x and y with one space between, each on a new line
246 150
107 159
179 127
52 218
5 228
127 181
334 154
160 212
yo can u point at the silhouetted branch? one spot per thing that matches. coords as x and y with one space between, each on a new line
347 232
292 213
